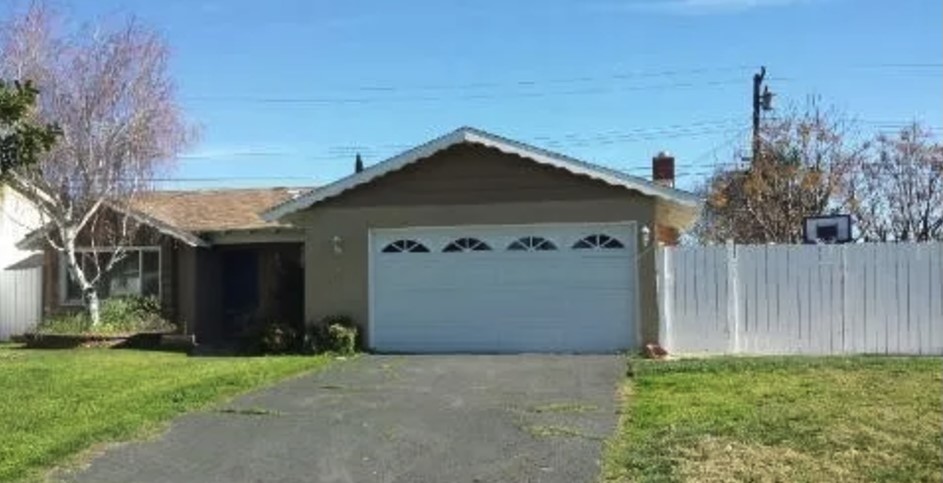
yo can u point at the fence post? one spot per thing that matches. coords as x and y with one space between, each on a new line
733 299
665 293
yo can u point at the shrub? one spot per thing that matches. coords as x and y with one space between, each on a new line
342 339
337 334
278 338
133 314
71 323
120 315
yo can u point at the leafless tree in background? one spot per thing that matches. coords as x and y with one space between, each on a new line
107 87
805 155
896 194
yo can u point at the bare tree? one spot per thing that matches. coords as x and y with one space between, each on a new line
108 89
897 193
804 156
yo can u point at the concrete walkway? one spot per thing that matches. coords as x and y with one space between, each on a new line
528 418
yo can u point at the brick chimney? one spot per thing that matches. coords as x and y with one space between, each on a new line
663 173
663 169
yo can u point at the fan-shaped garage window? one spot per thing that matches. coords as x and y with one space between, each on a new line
597 242
405 246
467 245
532 244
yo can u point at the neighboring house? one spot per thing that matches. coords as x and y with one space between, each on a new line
20 270
470 242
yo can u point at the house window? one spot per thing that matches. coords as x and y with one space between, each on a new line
532 244
597 242
405 246
137 272
467 245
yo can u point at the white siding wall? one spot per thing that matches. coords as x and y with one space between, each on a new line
17 218
20 301
802 299
20 271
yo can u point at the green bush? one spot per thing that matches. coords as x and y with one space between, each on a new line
342 339
278 339
336 334
120 315
71 323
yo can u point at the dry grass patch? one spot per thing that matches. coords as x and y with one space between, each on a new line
781 419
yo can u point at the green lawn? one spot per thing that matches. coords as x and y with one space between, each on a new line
56 403
780 419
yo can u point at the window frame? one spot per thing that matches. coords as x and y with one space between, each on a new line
399 245
599 242
464 246
534 242
139 250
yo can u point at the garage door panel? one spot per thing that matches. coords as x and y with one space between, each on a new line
501 300
488 272
540 305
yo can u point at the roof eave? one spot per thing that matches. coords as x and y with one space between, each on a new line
163 227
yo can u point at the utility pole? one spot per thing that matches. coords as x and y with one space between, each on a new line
762 101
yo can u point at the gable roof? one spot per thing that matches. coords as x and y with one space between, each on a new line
477 136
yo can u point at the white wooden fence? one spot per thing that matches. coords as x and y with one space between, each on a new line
802 299
20 300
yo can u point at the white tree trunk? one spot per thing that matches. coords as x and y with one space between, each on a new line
89 291
92 306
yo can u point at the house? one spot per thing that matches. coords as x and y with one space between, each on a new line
215 265
470 242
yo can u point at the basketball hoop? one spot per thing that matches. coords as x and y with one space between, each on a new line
831 229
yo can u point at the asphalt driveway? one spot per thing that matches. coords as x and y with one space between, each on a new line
528 418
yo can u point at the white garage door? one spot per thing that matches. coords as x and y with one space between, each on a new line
533 288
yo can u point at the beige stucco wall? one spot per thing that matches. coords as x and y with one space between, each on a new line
466 185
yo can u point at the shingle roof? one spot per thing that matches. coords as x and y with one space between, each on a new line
187 215
201 211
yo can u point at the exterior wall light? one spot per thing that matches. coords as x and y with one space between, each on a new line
646 236
338 244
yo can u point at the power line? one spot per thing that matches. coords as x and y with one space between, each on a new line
728 142
531 82
641 130
564 140
903 65
568 139
635 139
304 101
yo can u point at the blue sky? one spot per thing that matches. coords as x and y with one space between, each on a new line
286 91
